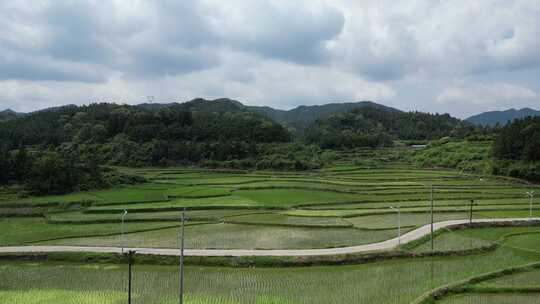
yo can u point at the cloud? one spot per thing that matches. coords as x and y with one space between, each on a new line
487 94
134 38
17 66
281 53
26 96
388 40
296 31
155 39
274 83
286 85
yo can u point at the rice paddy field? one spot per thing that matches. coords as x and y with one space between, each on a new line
338 206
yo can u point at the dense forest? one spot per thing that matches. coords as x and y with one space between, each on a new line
516 149
375 127
512 150
519 140
302 117
67 142
50 172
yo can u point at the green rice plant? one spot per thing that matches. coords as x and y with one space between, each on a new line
196 191
291 197
18 231
283 220
451 241
388 221
518 280
529 241
385 282
231 202
59 296
495 298
235 236
115 216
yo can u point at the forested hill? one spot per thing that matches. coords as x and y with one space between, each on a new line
297 119
374 126
501 117
519 140
301 117
220 105
9 115
134 135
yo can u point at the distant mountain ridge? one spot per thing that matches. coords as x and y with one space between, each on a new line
301 116
502 117
9 115
298 118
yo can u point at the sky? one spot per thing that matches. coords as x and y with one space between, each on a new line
460 57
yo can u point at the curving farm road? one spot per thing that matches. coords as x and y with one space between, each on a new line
385 245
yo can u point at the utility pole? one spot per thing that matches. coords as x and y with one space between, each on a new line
123 239
431 200
182 257
470 213
531 195
399 224
130 262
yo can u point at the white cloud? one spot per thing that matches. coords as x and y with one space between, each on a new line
276 52
26 96
296 31
487 94
395 39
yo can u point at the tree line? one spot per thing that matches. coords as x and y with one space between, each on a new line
379 127
51 172
516 149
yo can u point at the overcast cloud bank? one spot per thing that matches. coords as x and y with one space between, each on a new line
456 56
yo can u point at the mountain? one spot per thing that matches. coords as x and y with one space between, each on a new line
301 117
191 132
374 127
220 105
297 119
501 117
9 115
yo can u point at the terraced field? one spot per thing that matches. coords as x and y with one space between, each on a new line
338 206
387 282
343 205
